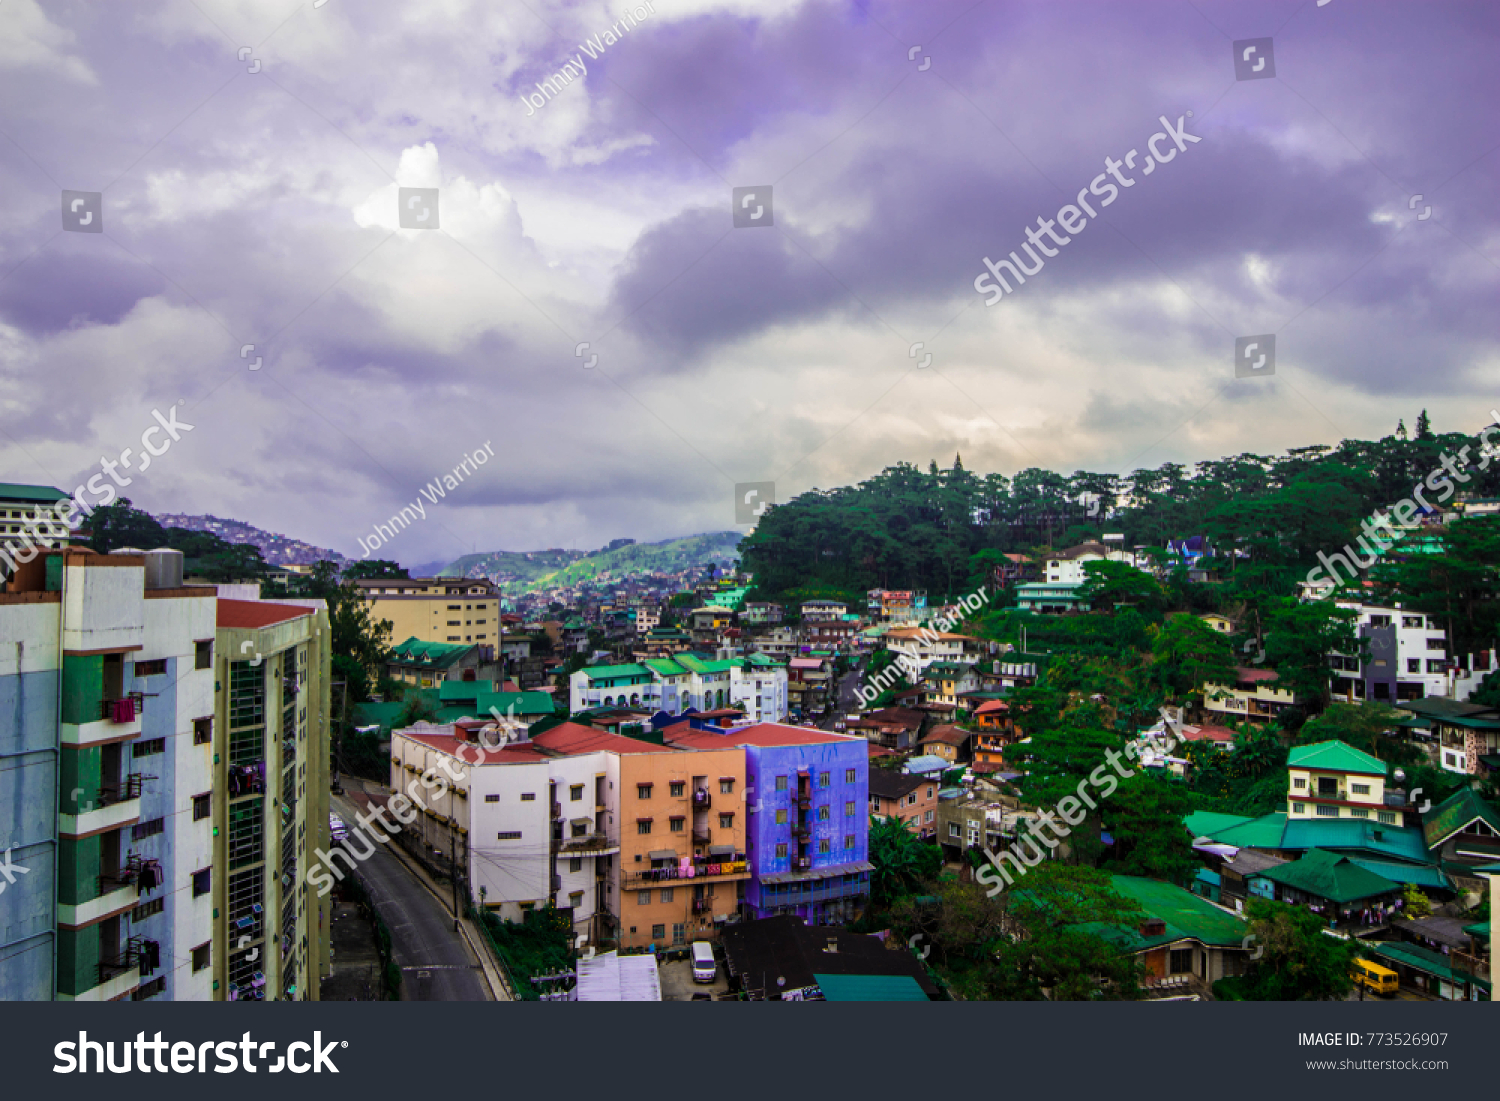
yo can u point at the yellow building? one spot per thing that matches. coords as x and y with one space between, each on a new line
436 609
270 800
1335 780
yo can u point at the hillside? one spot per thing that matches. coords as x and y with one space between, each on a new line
550 569
277 550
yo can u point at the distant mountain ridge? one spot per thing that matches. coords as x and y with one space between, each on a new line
275 549
557 568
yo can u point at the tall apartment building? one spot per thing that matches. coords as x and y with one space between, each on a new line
436 609
807 795
106 779
22 507
1408 657
269 800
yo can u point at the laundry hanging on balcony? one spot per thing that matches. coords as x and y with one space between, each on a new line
149 877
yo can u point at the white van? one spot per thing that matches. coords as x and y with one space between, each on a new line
704 967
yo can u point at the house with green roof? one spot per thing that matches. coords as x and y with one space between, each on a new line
1434 972
1331 884
684 680
1331 780
1463 830
1466 733
428 664
1183 941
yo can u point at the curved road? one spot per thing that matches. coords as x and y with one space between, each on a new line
436 964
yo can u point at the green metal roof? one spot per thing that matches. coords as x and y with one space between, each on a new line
15 491
870 988
523 705
1423 959
1335 757
1454 813
385 714
436 655
617 672
1478 929
666 667
1418 875
1184 913
1330 876
1205 823
1258 833
464 689
1370 838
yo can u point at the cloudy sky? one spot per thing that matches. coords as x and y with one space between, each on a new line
249 155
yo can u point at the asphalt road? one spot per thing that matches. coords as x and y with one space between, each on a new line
436 964
847 700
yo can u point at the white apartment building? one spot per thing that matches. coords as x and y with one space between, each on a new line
674 684
926 646
1408 657
1066 566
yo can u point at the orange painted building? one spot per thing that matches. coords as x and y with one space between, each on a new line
682 865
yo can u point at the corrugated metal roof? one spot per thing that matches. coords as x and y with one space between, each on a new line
870 988
1335 756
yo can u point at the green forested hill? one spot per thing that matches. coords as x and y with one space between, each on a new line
553 568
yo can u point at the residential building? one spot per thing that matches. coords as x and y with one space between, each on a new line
1051 597
1467 735
107 688
808 680
961 826
1252 697
822 611
912 799
1408 657
1066 567
270 799
808 839
927 646
780 642
759 613
426 664
946 681
897 605
675 684
436 609
832 634
1335 780
24 507
891 727
949 742
1463 832
1334 885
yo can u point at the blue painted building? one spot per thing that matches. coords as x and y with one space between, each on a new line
807 798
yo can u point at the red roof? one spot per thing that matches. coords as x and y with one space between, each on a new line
1247 673
1208 732
761 734
473 753
991 706
254 614
568 738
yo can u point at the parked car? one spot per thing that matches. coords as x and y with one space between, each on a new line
705 968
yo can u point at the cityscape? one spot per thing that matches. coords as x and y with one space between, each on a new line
444 559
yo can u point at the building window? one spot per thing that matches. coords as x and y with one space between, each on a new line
929 793
643 898
1181 962
726 787
1299 808
1360 789
203 805
508 835
848 841
147 829
1387 817
202 882
928 819
676 822
675 789
823 846
668 893
953 830
492 798
825 779
575 792
679 933
142 912
1413 665
643 791
823 813
643 826
154 668
850 775
201 956
149 748
781 817
203 657
781 783
726 821
911 800
1327 811
203 731
527 907
528 797
1299 782
575 899
1358 812
781 849
658 932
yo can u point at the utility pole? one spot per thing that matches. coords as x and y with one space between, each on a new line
453 871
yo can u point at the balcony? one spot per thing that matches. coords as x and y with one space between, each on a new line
127 959
702 905
125 709
702 800
802 863
702 837
801 832
804 801
596 843
128 787
557 812
657 877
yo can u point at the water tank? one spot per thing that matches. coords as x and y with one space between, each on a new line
164 568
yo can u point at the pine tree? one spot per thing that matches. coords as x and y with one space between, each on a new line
1401 429
1424 426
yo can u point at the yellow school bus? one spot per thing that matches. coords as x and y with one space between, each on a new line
1373 977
